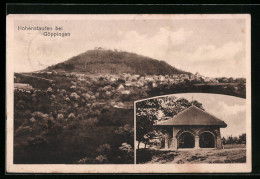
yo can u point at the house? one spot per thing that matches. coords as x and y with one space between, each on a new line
184 76
113 78
135 77
54 72
119 105
22 86
128 84
125 92
161 78
120 88
154 85
149 78
192 128
197 75
175 76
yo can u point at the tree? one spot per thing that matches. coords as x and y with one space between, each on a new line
101 159
125 131
242 139
104 149
172 106
223 140
127 152
146 114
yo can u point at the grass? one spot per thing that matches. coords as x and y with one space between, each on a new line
234 146
232 155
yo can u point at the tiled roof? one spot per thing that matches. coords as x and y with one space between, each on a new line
193 116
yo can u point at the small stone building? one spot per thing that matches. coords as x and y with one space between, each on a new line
192 128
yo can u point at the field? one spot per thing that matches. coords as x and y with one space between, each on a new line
234 155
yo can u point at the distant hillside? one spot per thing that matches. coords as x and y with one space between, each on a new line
114 62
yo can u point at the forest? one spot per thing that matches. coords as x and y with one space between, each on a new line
72 122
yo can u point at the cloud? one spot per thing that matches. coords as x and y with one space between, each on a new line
181 47
177 48
233 114
155 46
231 109
225 52
226 60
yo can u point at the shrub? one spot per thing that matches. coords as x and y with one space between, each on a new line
56 128
37 142
86 160
73 125
74 96
39 116
60 117
104 149
127 153
101 159
23 131
124 130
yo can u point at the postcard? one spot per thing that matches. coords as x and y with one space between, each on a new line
136 93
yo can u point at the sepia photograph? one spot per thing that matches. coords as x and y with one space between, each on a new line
191 128
111 93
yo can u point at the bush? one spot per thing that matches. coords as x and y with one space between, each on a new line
74 96
101 159
56 129
104 149
127 153
73 125
86 160
23 131
37 142
60 117
38 116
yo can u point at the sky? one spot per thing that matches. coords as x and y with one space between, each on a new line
232 110
213 47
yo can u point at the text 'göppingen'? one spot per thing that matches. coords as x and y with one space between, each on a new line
46 28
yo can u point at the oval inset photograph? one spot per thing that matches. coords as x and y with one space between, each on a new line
190 128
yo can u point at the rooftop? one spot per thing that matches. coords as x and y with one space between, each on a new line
193 116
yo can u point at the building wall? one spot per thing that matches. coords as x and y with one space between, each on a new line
172 135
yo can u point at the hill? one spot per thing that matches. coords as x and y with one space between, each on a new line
114 62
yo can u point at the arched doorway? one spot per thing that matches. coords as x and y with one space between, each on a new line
207 140
186 140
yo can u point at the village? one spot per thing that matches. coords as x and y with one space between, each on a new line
128 81
118 91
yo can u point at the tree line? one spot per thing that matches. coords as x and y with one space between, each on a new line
241 139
